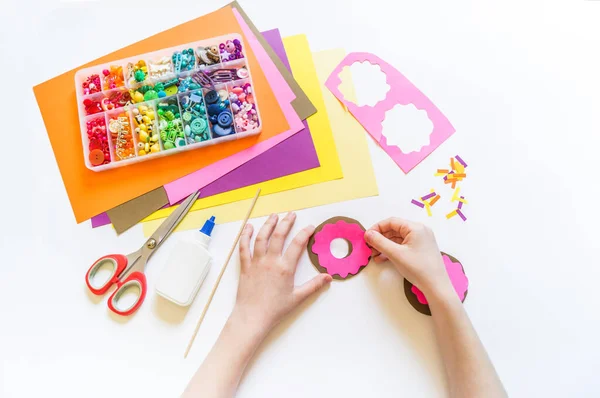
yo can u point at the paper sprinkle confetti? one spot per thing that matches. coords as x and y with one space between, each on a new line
451 214
428 196
461 215
427 201
417 203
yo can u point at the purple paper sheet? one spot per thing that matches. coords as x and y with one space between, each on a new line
291 156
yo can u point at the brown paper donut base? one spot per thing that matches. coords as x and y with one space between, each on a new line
412 298
314 259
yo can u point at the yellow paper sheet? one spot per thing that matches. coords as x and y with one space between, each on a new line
350 139
301 62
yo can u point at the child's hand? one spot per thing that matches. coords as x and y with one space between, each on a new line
266 292
412 248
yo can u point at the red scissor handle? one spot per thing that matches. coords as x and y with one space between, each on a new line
118 263
137 280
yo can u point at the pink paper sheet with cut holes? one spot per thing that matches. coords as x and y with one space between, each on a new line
459 280
402 92
350 264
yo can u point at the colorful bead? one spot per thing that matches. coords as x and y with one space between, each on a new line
136 73
194 117
184 60
170 123
97 141
121 137
207 56
243 107
146 130
161 68
91 85
231 50
113 78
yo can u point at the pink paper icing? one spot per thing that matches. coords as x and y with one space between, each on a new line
457 277
351 264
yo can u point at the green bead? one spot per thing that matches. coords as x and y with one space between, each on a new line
169 145
159 87
139 75
150 95
169 115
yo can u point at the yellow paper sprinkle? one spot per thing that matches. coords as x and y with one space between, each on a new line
455 196
463 200
451 214
427 207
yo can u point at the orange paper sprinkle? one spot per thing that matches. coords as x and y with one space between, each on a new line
435 199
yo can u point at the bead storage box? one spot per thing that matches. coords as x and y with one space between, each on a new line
165 102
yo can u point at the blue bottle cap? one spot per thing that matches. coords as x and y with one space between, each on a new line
208 226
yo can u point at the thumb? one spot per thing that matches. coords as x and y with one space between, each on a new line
382 244
306 290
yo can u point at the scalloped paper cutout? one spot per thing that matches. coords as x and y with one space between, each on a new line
402 92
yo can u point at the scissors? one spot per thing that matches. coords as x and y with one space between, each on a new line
127 272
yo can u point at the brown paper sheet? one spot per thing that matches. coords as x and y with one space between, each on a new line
301 104
132 212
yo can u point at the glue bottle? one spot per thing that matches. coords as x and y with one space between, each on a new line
187 267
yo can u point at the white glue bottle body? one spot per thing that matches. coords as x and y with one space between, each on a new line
187 267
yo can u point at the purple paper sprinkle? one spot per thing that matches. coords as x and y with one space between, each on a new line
414 202
460 160
461 215
460 203
431 195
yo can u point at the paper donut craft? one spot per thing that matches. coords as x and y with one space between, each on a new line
459 280
319 250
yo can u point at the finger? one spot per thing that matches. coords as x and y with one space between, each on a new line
384 245
394 224
296 248
306 290
245 255
280 234
380 259
262 239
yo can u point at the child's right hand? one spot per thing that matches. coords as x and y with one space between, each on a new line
412 248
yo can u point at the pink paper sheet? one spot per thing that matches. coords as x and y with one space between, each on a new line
182 187
402 92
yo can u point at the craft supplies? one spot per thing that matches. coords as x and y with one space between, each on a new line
127 272
319 247
98 141
91 193
187 267
402 92
456 273
212 293
219 80
427 201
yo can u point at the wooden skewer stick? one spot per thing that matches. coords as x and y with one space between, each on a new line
237 239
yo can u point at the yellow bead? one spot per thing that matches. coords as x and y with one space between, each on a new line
141 152
143 109
154 138
143 127
138 97
143 136
146 119
150 114
155 148
147 147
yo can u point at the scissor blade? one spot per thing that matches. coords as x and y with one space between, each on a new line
173 220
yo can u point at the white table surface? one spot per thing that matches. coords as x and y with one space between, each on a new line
520 81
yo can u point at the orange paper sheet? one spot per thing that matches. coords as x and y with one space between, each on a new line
90 192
